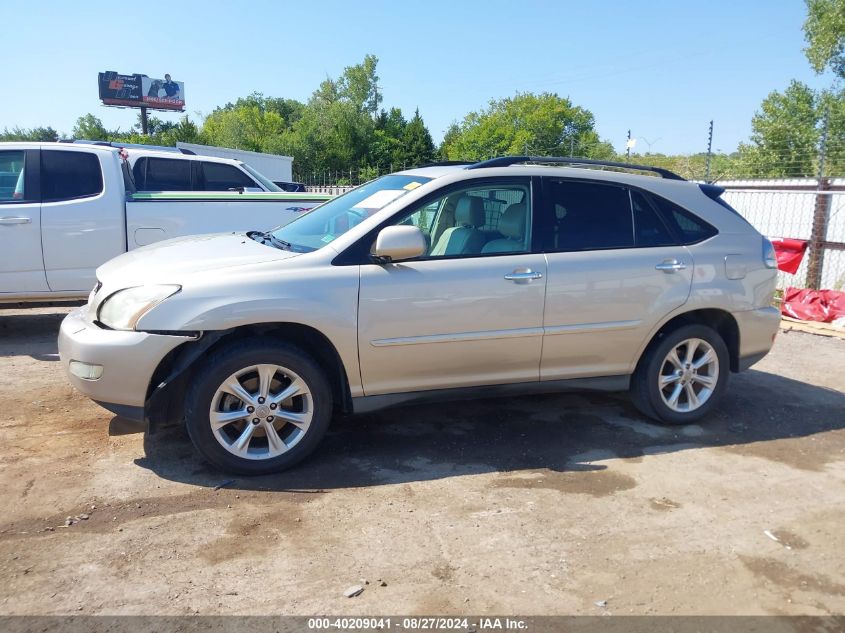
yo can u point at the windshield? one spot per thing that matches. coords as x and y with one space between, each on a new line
334 218
268 185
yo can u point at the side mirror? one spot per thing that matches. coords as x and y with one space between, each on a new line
396 243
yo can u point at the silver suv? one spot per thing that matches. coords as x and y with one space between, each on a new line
512 275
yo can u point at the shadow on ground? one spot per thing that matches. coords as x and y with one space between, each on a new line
30 334
563 432
760 416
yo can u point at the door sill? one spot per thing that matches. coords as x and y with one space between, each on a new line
366 404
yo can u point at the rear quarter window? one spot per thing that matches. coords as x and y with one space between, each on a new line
689 228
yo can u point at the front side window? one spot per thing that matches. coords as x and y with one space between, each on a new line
481 220
67 175
221 177
12 176
332 219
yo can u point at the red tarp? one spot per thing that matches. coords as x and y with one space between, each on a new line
813 305
789 252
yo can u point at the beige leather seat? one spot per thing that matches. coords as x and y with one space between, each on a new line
512 226
464 238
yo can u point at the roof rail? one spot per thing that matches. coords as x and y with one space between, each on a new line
157 148
505 161
445 163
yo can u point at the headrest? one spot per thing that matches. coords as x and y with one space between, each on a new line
512 222
469 211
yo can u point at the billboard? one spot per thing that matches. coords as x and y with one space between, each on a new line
141 91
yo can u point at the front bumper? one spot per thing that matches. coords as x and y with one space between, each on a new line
128 361
757 330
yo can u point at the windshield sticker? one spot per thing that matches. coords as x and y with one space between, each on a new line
412 185
380 199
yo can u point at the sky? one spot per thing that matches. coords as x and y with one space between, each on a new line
661 69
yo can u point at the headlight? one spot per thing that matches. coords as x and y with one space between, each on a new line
122 310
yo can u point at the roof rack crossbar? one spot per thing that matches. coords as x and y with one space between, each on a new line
505 161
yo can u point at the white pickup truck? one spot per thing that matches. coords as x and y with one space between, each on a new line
65 209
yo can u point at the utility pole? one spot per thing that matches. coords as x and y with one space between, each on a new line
572 146
821 214
709 151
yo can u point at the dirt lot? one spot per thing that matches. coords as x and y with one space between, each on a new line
538 505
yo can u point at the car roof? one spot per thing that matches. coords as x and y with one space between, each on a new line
55 145
136 152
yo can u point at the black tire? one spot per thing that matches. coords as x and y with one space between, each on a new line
232 358
645 392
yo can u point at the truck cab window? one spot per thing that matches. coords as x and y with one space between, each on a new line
220 177
66 175
12 169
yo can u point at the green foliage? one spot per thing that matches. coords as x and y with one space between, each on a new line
417 148
90 128
784 134
824 30
33 134
787 133
250 127
525 124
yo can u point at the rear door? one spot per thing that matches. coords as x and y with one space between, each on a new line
615 269
21 265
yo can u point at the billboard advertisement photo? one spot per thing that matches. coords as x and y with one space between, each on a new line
141 91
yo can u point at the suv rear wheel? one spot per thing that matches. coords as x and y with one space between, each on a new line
257 407
682 378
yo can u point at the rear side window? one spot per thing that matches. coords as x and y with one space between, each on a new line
590 216
220 177
163 174
66 175
689 228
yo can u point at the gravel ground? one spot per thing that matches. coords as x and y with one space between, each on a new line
564 504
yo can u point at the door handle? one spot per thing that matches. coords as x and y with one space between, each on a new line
523 276
670 266
15 220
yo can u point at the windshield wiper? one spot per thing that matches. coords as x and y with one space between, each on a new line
266 236
275 241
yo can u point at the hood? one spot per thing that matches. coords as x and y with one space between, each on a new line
172 260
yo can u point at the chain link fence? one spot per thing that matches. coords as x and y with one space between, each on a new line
802 209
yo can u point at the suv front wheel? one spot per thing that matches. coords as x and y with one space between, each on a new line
682 378
258 406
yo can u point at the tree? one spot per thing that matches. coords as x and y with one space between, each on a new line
526 123
417 146
90 128
248 127
824 31
34 134
785 134
359 85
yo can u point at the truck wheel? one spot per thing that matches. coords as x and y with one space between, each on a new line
258 406
682 378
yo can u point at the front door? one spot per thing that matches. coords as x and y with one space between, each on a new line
467 313
21 265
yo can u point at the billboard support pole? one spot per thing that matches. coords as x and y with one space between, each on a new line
143 121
